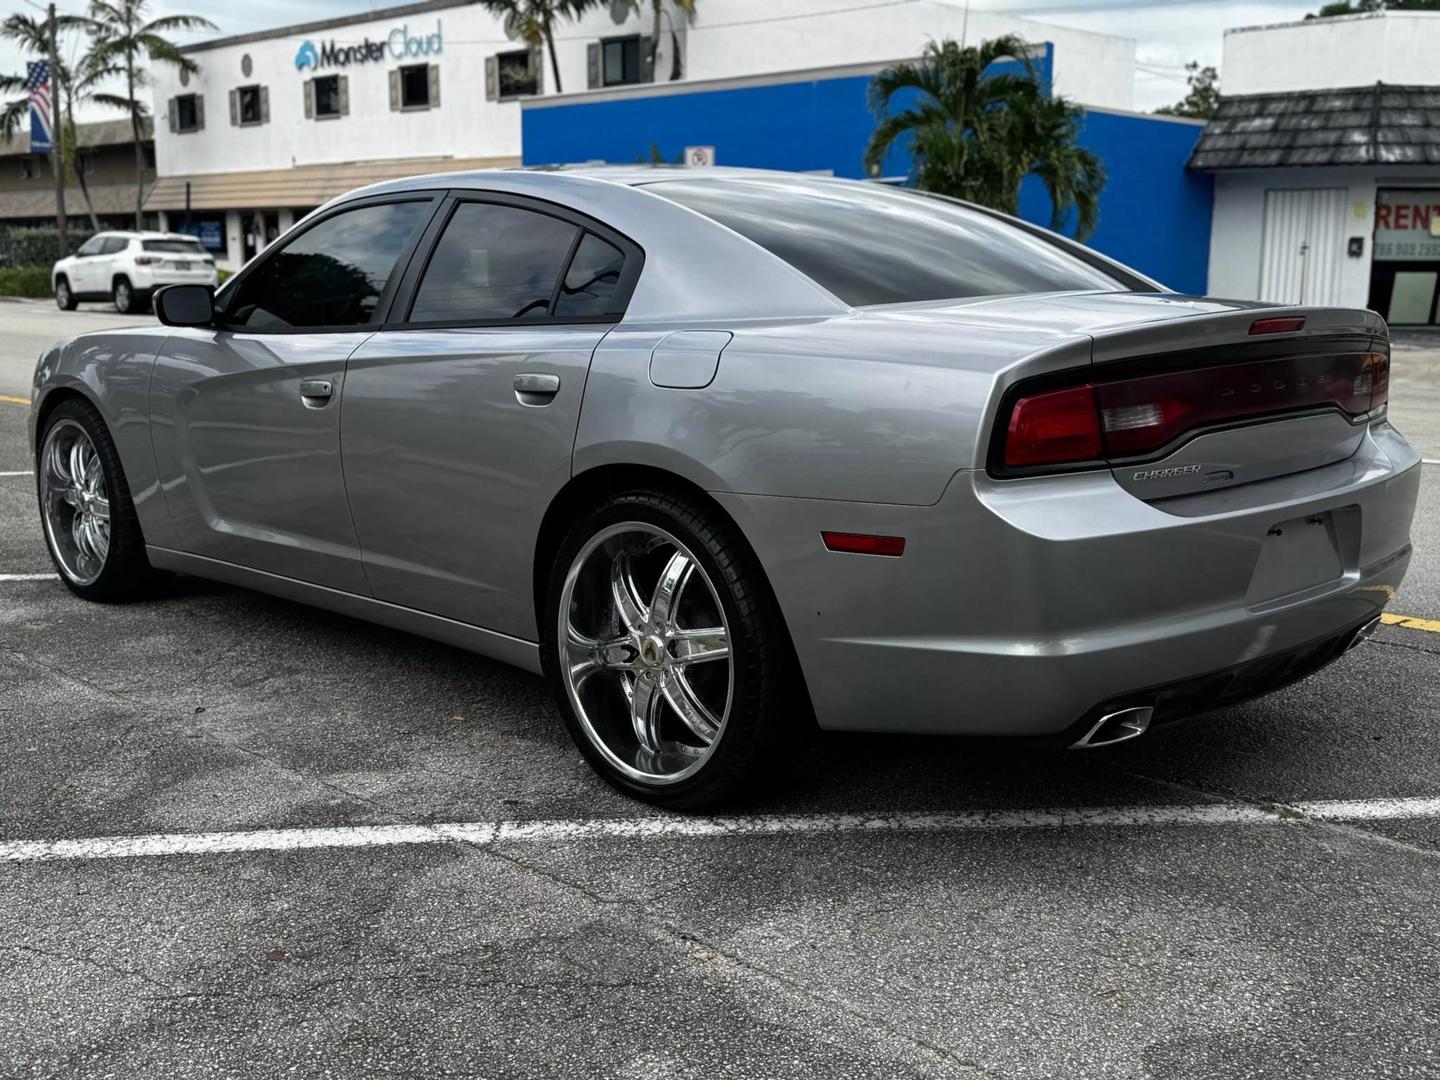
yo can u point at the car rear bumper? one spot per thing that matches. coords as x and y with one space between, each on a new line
146 280
1022 607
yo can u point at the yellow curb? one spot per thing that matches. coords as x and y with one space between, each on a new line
1409 622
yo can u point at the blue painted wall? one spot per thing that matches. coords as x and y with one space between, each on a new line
1153 215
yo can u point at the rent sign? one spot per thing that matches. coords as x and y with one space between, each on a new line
1407 225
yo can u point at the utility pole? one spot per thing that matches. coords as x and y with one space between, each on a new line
57 155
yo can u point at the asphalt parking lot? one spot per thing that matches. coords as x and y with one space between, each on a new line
351 853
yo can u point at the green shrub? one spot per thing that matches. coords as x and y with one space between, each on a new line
25 281
37 247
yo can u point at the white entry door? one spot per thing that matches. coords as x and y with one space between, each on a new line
1303 246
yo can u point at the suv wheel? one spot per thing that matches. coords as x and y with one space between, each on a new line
667 654
123 296
64 298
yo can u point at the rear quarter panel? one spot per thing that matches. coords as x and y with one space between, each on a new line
853 408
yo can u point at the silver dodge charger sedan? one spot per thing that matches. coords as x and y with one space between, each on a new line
727 453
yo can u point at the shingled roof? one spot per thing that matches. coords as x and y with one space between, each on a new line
1367 125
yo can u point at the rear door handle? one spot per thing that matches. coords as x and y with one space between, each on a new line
535 389
316 392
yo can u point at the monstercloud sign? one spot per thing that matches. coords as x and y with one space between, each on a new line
399 44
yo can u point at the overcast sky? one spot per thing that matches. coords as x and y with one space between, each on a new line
1168 32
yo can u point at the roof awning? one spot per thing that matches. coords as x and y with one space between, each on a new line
300 186
1366 125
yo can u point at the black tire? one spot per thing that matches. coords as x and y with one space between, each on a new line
64 295
758 741
126 574
122 295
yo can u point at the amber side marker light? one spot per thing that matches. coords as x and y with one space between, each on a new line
1277 326
863 544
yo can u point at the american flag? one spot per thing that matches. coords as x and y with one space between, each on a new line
37 81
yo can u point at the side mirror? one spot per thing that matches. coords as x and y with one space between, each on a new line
185 305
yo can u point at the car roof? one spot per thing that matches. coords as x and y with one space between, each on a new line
146 234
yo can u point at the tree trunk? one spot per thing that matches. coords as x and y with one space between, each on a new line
80 166
139 144
655 43
550 44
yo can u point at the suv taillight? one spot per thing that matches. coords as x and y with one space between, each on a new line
1142 416
147 260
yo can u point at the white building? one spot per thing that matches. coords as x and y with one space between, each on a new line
277 122
1326 155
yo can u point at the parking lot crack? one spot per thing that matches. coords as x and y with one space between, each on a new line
1285 812
114 969
736 965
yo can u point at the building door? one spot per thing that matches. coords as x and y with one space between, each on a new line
1303 246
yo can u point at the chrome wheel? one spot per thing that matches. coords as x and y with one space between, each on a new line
645 653
62 295
74 502
123 297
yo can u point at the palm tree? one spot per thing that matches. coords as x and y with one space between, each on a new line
688 8
120 36
976 136
533 21
77 84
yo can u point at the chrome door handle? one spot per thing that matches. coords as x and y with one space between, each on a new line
535 389
316 392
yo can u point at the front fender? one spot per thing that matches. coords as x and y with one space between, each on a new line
111 370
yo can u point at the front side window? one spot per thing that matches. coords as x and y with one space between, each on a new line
327 95
493 263
621 61
330 275
93 246
870 244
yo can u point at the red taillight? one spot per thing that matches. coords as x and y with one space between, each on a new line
1057 428
1379 365
1277 326
1137 417
146 260
864 544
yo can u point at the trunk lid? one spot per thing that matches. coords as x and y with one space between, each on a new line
1192 394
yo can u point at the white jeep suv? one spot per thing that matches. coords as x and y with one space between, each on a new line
126 267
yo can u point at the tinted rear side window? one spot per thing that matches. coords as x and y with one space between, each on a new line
592 280
330 275
493 263
869 244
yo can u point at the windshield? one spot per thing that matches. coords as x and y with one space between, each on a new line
870 244
178 247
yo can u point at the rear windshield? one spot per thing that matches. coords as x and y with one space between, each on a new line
870 244
175 247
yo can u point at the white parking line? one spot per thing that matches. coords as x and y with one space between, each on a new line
22 472
490 833
29 577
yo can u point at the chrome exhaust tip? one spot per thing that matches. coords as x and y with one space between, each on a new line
1117 727
1364 634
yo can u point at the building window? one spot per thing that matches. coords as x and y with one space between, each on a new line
249 106
187 113
28 170
620 64
415 86
516 74
326 97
